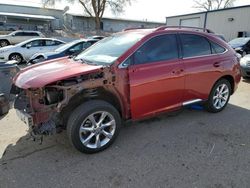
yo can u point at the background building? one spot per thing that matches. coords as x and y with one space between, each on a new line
230 22
13 17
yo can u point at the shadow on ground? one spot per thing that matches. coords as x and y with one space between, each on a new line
190 149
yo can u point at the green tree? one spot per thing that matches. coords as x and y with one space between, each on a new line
95 8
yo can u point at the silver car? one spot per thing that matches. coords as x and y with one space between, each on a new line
245 66
18 36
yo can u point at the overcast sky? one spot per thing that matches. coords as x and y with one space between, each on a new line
151 10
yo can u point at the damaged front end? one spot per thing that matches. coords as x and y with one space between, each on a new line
42 108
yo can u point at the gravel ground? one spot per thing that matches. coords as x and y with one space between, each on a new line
190 149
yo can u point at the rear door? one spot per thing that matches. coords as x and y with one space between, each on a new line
156 77
203 66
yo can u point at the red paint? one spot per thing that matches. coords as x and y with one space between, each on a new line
147 89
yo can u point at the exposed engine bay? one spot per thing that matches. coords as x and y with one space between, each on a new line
45 109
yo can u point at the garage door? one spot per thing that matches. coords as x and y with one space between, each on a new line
192 22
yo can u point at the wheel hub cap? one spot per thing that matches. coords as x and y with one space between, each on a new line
221 96
97 129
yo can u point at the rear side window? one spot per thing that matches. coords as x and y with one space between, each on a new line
194 45
216 48
52 43
160 48
19 34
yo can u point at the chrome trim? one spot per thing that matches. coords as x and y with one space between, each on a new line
193 57
191 102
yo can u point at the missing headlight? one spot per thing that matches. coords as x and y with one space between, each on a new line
53 95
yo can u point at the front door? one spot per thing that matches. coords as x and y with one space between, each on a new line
156 77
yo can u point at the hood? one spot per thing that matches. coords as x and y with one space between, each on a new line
45 73
2 36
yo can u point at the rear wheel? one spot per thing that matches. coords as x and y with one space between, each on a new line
17 57
93 126
219 96
4 43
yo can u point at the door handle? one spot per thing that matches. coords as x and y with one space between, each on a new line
177 71
217 64
134 70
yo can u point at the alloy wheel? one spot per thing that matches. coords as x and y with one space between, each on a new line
221 96
97 129
4 43
16 57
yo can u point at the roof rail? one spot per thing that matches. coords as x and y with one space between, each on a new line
185 27
133 28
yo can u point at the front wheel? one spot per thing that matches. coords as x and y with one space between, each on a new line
219 96
17 57
93 126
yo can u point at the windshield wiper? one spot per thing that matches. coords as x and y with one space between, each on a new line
88 62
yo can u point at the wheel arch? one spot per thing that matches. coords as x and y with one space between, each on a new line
12 53
230 79
5 40
91 94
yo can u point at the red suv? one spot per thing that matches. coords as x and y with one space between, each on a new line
134 74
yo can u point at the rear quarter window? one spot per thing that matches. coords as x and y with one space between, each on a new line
216 48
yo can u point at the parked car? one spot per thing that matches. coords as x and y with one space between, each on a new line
131 75
97 37
245 66
72 48
25 50
18 36
241 45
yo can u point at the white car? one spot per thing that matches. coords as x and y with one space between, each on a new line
25 50
18 36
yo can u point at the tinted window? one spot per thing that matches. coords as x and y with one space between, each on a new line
32 34
77 47
217 49
52 43
35 43
161 48
19 34
194 45
86 45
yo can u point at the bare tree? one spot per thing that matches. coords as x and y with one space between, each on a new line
96 8
213 4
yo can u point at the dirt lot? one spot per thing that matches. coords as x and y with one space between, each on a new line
189 149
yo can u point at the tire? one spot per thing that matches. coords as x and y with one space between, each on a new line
85 128
16 56
219 96
4 43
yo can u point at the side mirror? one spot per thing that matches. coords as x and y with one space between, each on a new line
28 46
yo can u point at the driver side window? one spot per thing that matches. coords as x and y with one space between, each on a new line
160 48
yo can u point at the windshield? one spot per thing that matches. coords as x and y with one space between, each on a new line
109 49
65 46
239 41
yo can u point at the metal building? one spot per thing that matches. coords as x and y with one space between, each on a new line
14 17
230 22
